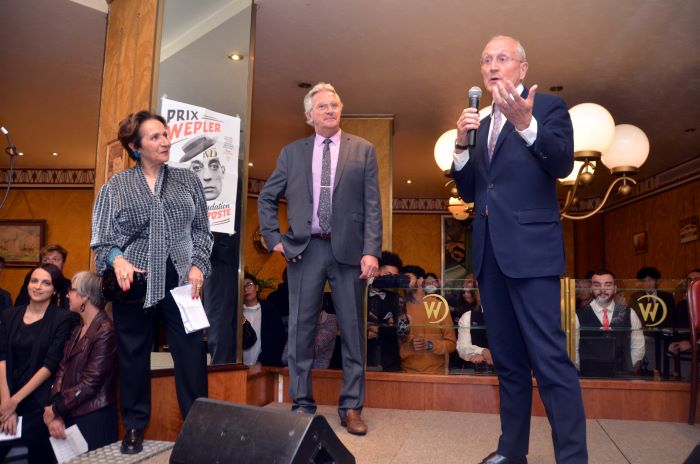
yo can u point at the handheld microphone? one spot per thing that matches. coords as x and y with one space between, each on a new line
474 96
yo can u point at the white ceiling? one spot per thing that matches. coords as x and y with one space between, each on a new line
411 58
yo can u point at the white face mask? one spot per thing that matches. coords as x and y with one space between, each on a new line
430 289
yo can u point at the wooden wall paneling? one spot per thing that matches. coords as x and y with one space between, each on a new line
127 78
417 240
379 131
619 227
663 213
268 264
690 202
589 245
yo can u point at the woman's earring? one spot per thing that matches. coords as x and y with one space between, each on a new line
137 154
82 308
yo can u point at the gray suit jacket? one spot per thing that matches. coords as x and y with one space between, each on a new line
356 220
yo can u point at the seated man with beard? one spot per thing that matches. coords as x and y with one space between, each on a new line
609 338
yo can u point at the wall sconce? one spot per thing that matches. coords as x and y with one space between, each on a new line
622 149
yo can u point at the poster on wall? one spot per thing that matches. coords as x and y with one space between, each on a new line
207 143
456 255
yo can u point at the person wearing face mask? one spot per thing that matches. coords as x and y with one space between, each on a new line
423 349
431 284
609 338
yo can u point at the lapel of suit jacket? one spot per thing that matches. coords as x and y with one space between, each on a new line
308 163
343 153
507 129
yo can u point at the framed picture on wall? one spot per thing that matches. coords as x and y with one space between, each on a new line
456 251
689 229
639 240
21 241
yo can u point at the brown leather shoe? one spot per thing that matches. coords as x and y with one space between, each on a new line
354 422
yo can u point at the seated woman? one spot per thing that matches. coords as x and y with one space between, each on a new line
31 343
84 392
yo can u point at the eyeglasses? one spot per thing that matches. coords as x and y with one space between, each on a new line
248 285
502 60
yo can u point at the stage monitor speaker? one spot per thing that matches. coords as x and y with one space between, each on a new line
694 457
221 432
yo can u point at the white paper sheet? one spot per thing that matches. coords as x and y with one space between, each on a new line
192 312
18 434
74 445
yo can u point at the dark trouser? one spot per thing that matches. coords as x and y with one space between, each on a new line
35 436
219 300
306 280
99 428
134 341
523 323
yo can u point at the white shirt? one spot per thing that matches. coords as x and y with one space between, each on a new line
464 338
636 336
529 135
254 315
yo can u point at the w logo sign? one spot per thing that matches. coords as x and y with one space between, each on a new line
649 308
436 308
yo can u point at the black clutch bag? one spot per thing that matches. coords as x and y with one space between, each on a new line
111 291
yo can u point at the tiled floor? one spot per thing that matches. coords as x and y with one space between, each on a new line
402 436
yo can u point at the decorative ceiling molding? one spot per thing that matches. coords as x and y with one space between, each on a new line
33 178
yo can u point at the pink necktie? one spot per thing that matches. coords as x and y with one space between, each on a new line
495 130
606 321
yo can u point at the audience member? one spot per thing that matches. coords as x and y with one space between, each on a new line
50 254
32 337
383 304
424 348
5 297
327 335
649 278
84 391
682 320
267 324
432 283
472 341
583 291
609 339
279 298
468 299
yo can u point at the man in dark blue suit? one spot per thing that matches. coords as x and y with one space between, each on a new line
518 253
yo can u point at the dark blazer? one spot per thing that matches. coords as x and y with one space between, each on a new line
519 188
274 337
356 218
85 378
58 324
5 299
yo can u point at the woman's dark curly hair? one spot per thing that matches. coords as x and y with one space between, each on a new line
130 127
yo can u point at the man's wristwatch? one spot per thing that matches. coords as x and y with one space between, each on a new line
430 345
460 147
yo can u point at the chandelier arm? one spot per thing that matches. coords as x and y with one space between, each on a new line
602 203
571 194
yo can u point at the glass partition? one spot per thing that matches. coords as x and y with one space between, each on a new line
208 124
616 328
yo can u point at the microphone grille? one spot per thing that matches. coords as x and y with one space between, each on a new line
475 92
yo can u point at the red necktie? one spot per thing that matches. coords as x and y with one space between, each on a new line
606 321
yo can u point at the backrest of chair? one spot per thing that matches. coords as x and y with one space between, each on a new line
694 308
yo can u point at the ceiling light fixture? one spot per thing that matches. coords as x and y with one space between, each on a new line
250 164
54 154
235 57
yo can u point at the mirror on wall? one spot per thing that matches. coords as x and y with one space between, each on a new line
203 92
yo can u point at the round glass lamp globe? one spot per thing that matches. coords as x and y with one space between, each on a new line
630 147
594 127
444 148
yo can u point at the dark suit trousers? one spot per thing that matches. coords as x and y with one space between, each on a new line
523 323
219 299
134 341
306 280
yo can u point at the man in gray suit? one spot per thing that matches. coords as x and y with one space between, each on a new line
335 234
